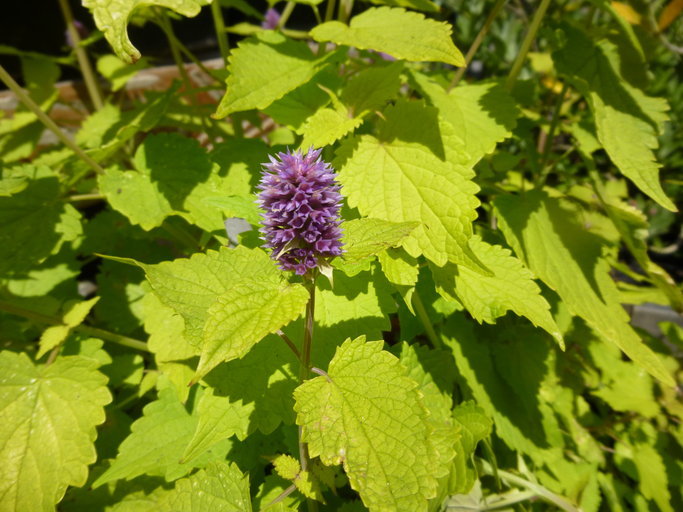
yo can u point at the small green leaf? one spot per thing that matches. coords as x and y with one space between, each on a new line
287 466
56 334
367 415
48 428
326 126
475 426
264 68
400 33
245 314
219 488
112 16
511 287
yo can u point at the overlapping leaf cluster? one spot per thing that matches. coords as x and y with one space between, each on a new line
471 349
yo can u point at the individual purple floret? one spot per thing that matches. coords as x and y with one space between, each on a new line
271 19
301 201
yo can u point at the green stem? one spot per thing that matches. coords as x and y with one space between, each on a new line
221 34
304 369
45 119
477 42
424 318
548 144
526 44
86 197
329 10
83 61
344 11
286 13
539 490
85 329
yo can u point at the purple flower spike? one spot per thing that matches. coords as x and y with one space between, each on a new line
301 200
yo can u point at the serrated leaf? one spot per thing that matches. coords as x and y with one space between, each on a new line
518 417
545 234
228 407
355 304
34 222
219 488
264 68
624 385
48 428
56 334
112 16
475 426
191 286
511 287
367 416
364 238
400 33
175 176
298 105
415 177
627 120
243 315
372 88
156 443
482 114
286 466
326 126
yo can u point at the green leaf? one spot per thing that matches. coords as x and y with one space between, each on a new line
355 304
482 114
415 177
99 127
372 88
628 122
34 222
365 238
400 33
547 235
191 286
624 386
518 417
286 466
48 428
264 68
112 16
511 287
156 443
326 126
245 314
117 71
367 415
175 176
475 426
228 407
298 105
219 488
73 317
